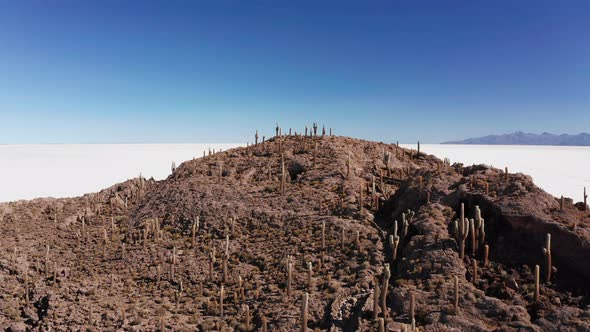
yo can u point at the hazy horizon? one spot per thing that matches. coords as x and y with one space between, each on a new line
69 170
250 140
75 169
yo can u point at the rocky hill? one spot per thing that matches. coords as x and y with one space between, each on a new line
331 233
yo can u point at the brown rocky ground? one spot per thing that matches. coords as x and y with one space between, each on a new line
95 263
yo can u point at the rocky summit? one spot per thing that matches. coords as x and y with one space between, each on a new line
300 233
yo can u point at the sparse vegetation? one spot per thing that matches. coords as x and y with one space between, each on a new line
278 236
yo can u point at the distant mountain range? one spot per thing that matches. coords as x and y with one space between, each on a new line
521 138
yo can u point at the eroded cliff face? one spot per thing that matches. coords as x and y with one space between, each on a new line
134 257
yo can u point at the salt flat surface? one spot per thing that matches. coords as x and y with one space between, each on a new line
30 171
559 170
56 170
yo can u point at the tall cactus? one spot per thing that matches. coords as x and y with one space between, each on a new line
27 301
461 226
211 263
172 263
373 193
289 275
405 226
194 230
537 275
224 259
547 253
376 299
226 251
123 251
221 295
247 317
361 198
472 231
394 242
47 260
105 241
241 287
413 311
323 240
561 203
406 221
456 295
304 307
479 230
283 176
384 289
381 325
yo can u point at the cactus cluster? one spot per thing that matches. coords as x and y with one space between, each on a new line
463 227
394 238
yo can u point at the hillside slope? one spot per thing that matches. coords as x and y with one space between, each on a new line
149 255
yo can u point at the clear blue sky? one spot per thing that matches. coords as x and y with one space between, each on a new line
214 71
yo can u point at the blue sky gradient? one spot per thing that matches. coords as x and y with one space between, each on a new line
214 71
